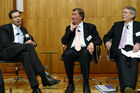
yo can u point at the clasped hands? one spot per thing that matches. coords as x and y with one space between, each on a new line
30 42
136 47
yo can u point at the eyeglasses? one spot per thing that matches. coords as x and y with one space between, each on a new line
17 16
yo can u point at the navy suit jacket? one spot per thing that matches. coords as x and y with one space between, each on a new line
89 30
115 36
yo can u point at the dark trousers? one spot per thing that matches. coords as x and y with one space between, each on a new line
127 71
28 56
2 88
84 58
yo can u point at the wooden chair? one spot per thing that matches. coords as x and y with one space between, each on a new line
76 63
17 78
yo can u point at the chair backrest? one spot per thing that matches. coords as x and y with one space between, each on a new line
8 61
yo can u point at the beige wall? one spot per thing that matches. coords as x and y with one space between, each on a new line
46 21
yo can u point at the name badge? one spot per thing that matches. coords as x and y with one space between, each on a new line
89 38
26 35
137 34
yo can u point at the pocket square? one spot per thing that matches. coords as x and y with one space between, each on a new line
89 38
138 33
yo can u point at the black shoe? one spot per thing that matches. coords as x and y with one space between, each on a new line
36 90
86 89
70 88
128 90
48 80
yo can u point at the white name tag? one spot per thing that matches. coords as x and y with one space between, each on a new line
26 35
138 33
89 38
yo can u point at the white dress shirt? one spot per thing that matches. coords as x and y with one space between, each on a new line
129 36
82 41
18 35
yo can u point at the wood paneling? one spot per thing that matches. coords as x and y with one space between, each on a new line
5 7
46 21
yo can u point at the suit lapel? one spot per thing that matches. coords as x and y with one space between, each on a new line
134 30
120 30
85 30
22 30
11 31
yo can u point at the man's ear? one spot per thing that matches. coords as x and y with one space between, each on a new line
132 16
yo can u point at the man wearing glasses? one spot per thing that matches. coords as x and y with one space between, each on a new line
17 44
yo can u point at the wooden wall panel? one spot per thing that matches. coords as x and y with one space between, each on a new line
5 7
46 21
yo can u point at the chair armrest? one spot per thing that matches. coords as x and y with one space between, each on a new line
63 48
98 53
108 56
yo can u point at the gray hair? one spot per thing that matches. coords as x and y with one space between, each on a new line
80 11
133 10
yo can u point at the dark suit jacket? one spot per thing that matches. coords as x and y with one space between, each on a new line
7 40
115 35
89 29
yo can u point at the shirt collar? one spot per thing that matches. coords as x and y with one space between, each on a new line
129 24
14 26
81 24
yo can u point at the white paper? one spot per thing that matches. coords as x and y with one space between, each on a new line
131 53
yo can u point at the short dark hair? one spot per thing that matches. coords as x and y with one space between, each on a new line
11 12
132 9
80 11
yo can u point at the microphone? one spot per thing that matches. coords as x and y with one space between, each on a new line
78 30
17 34
127 27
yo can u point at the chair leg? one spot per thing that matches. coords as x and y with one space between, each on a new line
74 77
15 80
99 81
78 78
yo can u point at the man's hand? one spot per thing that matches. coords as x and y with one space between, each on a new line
90 48
136 47
30 42
108 45
72 26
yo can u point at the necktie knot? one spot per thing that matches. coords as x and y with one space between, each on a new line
127 26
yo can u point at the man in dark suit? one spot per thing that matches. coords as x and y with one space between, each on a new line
125 36
81 39
2 88
17 44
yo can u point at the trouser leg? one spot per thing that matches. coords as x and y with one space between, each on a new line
36 64
69 64
2 88
134 72
127 71
85 64
123 72
26 61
